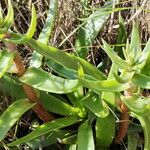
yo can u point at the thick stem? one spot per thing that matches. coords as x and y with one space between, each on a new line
124 120
29 91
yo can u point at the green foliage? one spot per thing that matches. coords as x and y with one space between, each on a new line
85 137
46 128
44 81
76 89
12 114
6 60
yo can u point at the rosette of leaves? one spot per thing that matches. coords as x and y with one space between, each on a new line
76 108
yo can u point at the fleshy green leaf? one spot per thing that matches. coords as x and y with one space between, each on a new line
136 104
47 139
44 81
46 128
45 34
61 70
105 85
88 32
30 32
141 80
75 99
6 60
135 46
145 53
51 102
8 20
145 122
114 57
66 59
66 72
12 114
105 131
49 23
93 102
122 35
109 97
85 139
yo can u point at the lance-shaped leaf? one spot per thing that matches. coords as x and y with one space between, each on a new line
104 139
141 80
85 138
47 128
114 57
6 60
66 59
138 105
10 15
105 131
110 97
45 34
145 53
146 56
66 72
48 139
62 58
110 85
93 102
145 122
49 24
135 46
122 36
51 102
8 20
30 32
88 32
44 81
12 114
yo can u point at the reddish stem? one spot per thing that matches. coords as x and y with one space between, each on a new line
124 120
29 91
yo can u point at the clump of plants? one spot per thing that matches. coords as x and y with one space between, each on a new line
79 105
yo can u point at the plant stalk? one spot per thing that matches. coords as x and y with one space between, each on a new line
29 91
124 120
